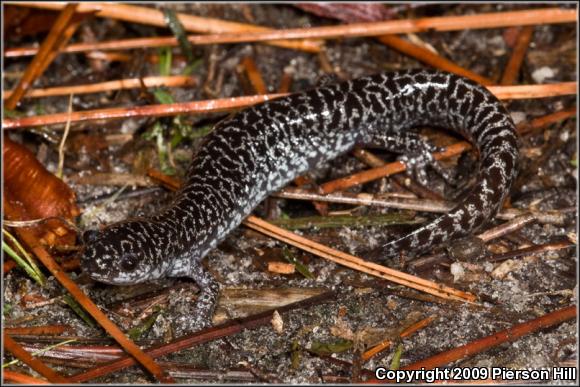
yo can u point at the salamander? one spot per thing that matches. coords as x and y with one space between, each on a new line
260 149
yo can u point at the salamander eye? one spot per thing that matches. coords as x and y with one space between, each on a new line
129 262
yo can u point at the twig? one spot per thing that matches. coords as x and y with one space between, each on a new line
57 37
120 84
488 342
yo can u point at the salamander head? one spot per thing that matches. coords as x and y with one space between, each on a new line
118 256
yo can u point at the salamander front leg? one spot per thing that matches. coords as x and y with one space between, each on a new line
201 315
416 154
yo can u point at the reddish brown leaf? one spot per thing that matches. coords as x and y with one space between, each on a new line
39 193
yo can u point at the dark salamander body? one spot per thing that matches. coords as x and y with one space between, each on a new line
262 148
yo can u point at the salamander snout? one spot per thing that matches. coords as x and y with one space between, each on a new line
113 256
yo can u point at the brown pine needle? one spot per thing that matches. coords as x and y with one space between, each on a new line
120 84
338 256
17 377
430 58
37 365
50 330
512 69
385 344
534 91
357 263
543 121
256 79
58 35
225 104
445 23
195 107
191 23
387 170
491 341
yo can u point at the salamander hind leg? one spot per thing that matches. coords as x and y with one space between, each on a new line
416 153
195 317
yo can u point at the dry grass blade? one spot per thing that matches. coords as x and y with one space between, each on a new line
358 263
